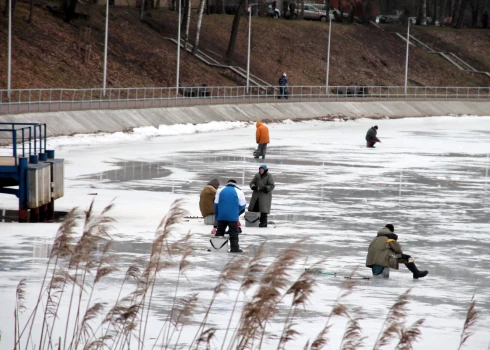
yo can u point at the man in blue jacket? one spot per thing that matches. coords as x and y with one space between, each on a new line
229 203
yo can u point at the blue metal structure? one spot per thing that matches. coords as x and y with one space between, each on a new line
29 171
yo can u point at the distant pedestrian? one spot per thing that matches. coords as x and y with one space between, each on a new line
262 186
385 251
262 138
274 5
484 19
371 137
283 82
229 204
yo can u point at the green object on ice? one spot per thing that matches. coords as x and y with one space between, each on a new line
321 271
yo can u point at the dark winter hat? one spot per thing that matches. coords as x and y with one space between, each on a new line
390 227
231 181
263 166
376 127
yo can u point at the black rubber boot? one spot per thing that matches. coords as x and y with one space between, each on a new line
263 220
234 247
416 273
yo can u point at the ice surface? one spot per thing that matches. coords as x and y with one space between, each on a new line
427 177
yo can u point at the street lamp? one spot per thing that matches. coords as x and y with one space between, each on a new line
178 48
328 51
9 58
105 44
249 9
406 61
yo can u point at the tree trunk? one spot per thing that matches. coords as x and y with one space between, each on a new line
367 9
31 10
70 10
462 8
454 11
220 7
475 9
198 27
423 12
234 29
302 12
187 22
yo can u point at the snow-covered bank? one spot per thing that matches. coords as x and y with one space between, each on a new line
85 122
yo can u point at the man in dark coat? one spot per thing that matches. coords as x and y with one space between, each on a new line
371 137
283 82
229 203
385 251
262 186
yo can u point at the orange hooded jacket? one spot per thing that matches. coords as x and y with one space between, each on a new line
262 134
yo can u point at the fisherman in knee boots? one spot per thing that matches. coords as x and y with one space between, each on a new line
385 251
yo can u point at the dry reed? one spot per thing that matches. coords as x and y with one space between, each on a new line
471 318
82 265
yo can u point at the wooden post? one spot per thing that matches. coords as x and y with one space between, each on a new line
23 215
43 209
50 212
35 215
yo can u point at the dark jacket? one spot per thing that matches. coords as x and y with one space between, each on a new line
384 250
229 202
264 199
283 81
206 201
371 135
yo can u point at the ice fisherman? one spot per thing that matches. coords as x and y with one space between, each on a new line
385 251
206 200
229 204
371 137
262 186
283 82
262 138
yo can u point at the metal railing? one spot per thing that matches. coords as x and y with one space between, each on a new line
45 100
21 140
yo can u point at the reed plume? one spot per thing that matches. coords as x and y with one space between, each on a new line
263 305
410 335
393 323
471 318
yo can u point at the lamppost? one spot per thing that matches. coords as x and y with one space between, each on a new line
249 9
328 51
9 58
406 60
105 44
178 49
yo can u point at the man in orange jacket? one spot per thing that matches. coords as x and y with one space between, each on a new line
262 138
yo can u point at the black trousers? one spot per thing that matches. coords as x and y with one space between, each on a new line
233 232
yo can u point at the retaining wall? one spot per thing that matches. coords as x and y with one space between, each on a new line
81 122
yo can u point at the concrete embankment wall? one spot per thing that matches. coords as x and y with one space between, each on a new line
81 122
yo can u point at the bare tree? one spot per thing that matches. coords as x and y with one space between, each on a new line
460 14
220 7
187 21
234 29
198 26
70 6
31 10
422 17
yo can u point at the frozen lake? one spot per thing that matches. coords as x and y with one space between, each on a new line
428 177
